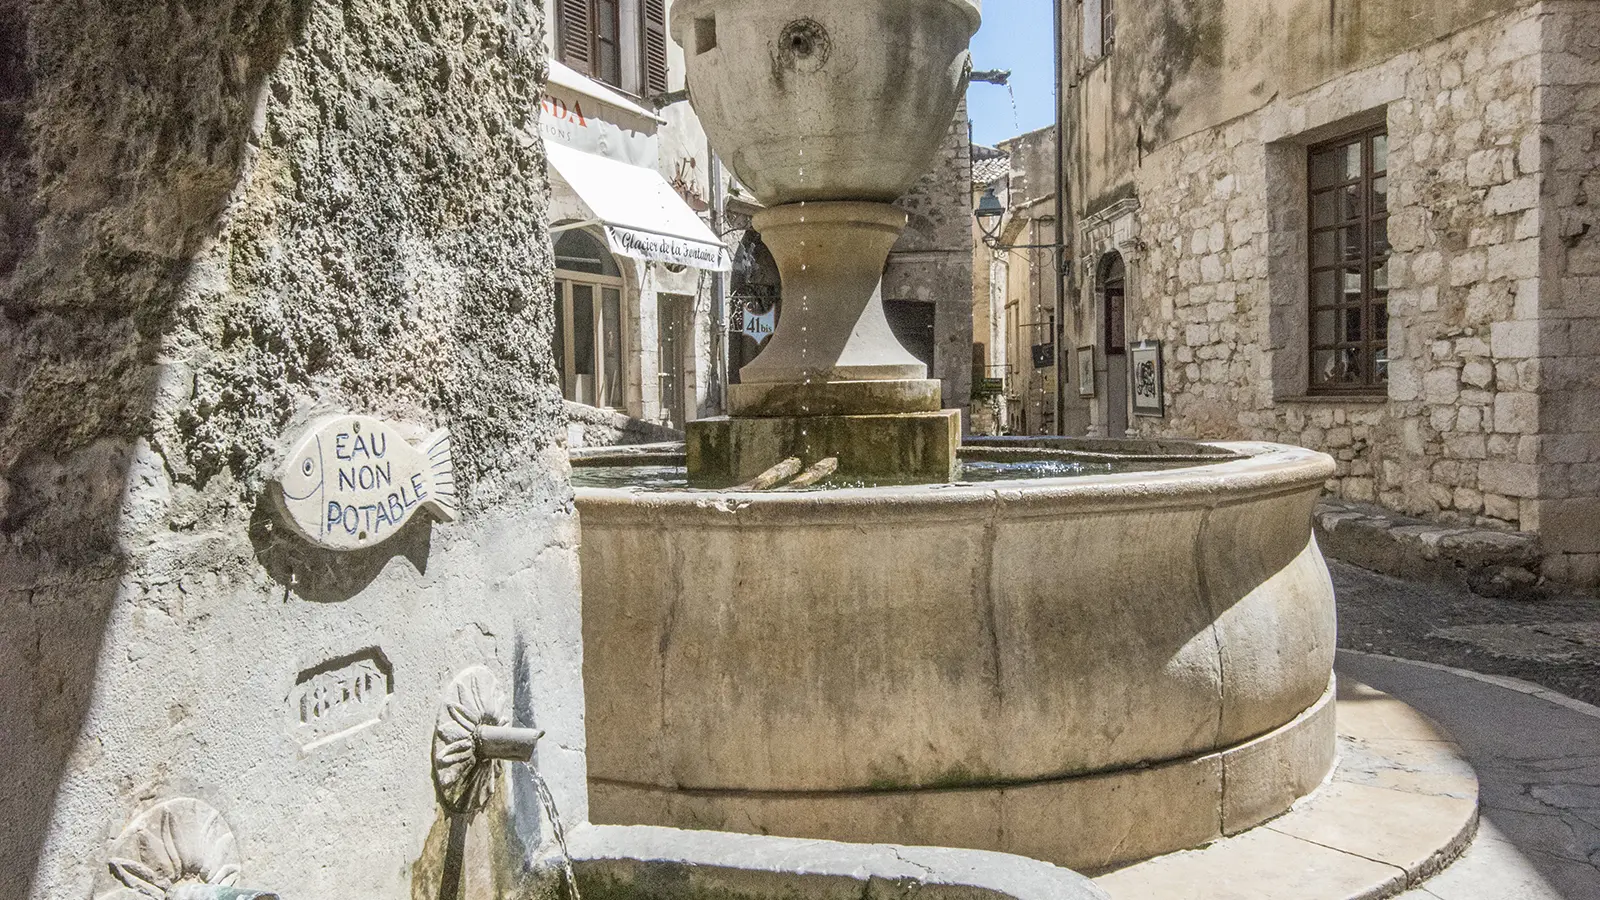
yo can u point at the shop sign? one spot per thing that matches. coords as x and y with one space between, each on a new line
1044 356
666 248
579 123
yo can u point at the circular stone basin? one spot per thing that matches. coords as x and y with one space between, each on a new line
1087 670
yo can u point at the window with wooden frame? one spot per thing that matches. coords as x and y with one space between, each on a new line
1349 271
1098 27
588 341
620 42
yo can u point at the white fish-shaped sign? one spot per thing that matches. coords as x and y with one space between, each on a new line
353 482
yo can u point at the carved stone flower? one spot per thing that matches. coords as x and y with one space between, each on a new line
181 840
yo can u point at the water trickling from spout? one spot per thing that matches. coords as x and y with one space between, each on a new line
549 803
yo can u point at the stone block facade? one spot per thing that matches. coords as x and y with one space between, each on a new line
1491 415
932 261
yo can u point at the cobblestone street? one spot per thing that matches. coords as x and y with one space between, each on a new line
1553 642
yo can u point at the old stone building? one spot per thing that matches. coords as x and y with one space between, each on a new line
637 197
927 284
1014 300
1363 227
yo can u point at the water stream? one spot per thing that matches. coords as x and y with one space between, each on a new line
549 803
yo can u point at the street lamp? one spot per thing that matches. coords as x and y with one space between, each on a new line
989 213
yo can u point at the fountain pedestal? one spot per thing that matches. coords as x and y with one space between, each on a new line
834 381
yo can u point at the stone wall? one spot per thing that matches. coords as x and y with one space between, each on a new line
1566 369
221 221
932 261
1488 301
589 426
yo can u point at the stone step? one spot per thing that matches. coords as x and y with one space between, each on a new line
1487 562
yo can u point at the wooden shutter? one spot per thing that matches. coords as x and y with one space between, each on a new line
653 46
575 34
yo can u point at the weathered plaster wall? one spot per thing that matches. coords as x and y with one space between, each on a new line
222 220
1028 295
1180 67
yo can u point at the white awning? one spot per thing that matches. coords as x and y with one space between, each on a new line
642 215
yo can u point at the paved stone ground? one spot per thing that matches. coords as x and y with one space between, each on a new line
1554 642
1537 756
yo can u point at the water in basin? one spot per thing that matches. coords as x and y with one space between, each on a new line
969 471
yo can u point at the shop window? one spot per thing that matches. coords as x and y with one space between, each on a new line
588 336
1349 264
620 42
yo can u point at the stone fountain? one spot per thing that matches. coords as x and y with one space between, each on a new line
828 112
1089 671
283 499
210 693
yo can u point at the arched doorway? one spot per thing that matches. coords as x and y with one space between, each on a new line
1113 286
588 339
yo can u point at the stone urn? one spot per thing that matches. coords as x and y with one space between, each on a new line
828 112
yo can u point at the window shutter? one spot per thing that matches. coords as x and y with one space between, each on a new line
1093 22
575 34
653 46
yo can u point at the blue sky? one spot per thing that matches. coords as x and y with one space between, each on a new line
1016 35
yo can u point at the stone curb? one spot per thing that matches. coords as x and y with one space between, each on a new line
623 862
1401 804
1507 682
1486 562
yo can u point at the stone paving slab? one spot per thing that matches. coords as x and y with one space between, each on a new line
1400 805
1494 869
1537 755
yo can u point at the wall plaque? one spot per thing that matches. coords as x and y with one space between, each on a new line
353 482
339 696
1148 379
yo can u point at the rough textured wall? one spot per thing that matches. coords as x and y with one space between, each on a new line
222 220
1182 66
1221 210
932 261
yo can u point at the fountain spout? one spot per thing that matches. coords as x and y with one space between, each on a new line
505 742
